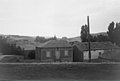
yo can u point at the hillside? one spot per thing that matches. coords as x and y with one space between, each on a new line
101 33
25 42
77 38
22 41
74 39
18 37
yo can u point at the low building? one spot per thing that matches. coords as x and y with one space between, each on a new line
55 51
110 56
81 50
29 51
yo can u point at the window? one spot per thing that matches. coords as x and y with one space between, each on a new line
100 53
57 55
48 54
66 53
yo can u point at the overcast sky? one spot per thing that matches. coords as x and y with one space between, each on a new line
56 17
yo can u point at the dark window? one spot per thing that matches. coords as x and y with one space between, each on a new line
100 53
31 55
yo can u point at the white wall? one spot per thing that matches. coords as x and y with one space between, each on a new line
94 54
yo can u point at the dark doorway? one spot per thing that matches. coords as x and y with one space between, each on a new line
31 55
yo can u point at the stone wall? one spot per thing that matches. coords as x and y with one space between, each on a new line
41 54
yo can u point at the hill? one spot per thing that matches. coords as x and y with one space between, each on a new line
29 40
74 39
77 38
101 33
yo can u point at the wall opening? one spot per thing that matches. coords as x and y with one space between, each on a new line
31 55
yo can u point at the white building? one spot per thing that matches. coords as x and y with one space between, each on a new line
81 51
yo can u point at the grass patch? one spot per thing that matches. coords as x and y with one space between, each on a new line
78 71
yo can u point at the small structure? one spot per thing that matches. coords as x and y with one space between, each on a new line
55 51
11 58
81 51
75 40
29 50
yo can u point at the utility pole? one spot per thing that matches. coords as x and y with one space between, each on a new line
89 38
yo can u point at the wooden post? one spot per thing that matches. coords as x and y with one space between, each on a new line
89 39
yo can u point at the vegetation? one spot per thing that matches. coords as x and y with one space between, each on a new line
84 33
84 36
9 49
60 72
114 32
43 39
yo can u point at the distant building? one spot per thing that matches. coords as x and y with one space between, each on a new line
75 40
81 52
29 51
28 47
55 51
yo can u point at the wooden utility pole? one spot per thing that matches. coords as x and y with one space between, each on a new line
89 38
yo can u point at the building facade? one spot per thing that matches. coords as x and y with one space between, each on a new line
55 51
81 52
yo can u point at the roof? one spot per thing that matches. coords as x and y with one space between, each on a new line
96 46
29 46
55 43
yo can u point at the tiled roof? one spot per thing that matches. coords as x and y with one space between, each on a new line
55 43
96 45
29 46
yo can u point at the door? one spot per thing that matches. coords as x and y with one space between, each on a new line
57 55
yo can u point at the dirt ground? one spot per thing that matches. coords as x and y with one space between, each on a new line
60 72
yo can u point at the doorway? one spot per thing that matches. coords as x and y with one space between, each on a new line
31 54
57 56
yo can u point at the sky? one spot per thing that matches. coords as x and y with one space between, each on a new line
62 18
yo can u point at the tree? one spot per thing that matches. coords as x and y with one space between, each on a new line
84 33
43 39
102 38
9 49
117 33
111 31
114 32
40 39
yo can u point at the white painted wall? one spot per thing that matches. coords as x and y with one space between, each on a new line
94 54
